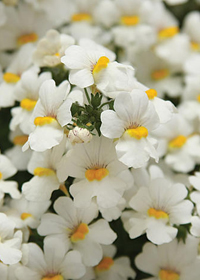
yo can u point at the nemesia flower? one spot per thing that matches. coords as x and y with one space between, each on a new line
19 159
110 268
44 166
134 117
85 65
158 74
51 48
175 260
7 169
195 194
20 62
179 143
54 263
50 115
10 244
97 169
27 93
72 226
26 213
190 27
23 25
158 208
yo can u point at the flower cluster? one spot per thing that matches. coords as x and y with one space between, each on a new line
102 178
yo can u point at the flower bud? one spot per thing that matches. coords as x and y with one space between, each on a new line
79 135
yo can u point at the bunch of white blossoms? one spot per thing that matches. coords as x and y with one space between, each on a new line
102 179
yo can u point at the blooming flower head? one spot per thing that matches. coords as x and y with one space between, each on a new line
97 169
158 208
54 263
175 260
51 114
73 226
131 122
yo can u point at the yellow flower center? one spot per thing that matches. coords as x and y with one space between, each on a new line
198 98
96 174
105 264
11 78
80 232
130 20
168 275
168 32
158 214
28 104
151 93
195 46
43 120
138 132
42 171
178 142
1 175
25 215
101 64
81 17
27 38
160 74
20 140
53 277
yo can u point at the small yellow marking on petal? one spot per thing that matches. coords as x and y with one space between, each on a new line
28 104
57 54
178 142
130 20
138 132
53 277
161 74
158 214
1 175
80 232
24 216
11 78
198 98
102 63
20 140
168 275
96 174
195 46
81 17
168 32
151 93
105 264
43 171
43 120
27 38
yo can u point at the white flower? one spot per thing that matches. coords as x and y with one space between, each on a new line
96 166
20 62
134 117
27 93
158 208
44 166
51 114
110 268
190 27
54 263
19 159
51 48
10 242
72 226
7 169
23 25
175 260
86 65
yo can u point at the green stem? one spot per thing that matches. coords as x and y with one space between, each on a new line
104 104
87 96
